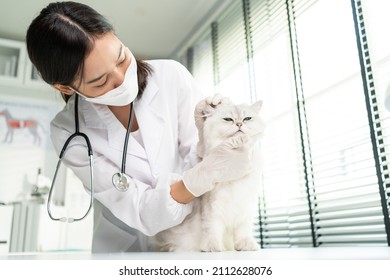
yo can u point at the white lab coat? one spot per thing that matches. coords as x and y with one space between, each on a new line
124 220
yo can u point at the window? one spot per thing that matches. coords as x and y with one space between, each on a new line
203 65
344 185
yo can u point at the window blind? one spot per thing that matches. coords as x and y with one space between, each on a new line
284 214
343 183
376 22
230 54
336 199
375 115
203 68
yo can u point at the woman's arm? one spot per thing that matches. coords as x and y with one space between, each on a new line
180 193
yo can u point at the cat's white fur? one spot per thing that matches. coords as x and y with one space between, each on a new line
223 218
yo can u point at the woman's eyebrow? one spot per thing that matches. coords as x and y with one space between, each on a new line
101 76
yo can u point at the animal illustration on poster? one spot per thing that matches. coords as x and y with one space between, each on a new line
25 144
16 123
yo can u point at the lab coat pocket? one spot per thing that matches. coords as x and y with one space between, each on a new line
110 238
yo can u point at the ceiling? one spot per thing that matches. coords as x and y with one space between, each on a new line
150 28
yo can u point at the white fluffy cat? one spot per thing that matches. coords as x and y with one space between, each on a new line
223 218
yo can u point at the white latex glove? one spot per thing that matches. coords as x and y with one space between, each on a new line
200 114
229 161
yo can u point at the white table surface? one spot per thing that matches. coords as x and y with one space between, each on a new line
344 253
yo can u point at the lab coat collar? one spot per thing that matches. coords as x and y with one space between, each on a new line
151 123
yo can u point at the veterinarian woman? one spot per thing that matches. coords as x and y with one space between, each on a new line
76 51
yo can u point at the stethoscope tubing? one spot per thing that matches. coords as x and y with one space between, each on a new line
129 125
122 175
70 219
77 133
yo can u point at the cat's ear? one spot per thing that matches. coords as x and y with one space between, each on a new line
257 106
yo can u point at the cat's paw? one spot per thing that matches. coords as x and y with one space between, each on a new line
246 244
211 246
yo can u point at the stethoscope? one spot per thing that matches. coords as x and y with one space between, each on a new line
120 180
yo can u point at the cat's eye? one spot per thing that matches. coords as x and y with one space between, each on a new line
228 119
247 119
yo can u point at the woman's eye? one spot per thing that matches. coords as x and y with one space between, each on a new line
228 119
123 60
247 119
102 85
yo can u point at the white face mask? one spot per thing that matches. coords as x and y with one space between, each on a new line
123 94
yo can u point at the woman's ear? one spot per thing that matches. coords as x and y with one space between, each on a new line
64 89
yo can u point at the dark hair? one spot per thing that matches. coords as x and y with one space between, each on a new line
60 38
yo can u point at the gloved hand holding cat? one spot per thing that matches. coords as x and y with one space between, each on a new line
226 162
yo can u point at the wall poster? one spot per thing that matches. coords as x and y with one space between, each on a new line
25 144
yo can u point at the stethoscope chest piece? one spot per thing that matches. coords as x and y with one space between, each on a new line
121 181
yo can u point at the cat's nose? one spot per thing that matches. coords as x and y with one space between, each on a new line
239 124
